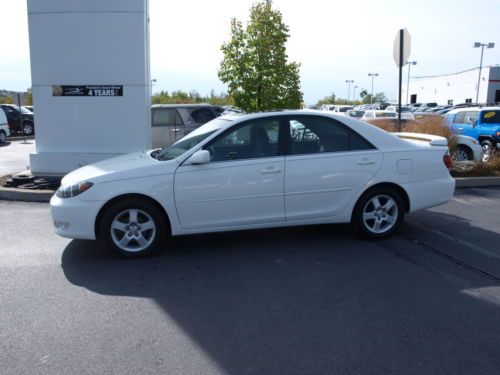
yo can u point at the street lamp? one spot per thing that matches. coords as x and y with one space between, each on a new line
348 81
354 93
373 75
482 45
410 63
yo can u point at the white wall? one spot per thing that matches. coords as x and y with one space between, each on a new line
91 42
457 87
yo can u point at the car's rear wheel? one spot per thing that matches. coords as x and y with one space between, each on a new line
133 228
28 128
378 213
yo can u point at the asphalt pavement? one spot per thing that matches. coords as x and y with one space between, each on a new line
308 300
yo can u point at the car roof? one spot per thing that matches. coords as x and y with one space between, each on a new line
190 105
467 109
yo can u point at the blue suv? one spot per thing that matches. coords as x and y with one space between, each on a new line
482 124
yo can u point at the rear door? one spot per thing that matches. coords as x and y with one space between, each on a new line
325 166
167 125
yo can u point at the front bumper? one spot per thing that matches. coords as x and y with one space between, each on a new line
74 218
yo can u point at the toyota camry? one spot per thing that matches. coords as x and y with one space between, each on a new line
256 171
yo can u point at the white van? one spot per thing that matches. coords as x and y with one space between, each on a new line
4 127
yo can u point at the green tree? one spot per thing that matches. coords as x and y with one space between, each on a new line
377 98
327 100
6 100
28 97
255 65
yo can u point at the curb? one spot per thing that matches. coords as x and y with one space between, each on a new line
472 182
22 195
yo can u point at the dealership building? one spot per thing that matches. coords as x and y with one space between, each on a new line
456 88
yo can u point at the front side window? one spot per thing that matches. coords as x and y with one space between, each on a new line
312 135
166 117
254 139
474 115
490 117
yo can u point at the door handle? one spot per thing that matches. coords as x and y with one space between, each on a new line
366 161
270 171
174 130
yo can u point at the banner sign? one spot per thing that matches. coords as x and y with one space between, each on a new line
88 90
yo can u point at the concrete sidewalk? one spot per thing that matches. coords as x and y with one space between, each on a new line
14 156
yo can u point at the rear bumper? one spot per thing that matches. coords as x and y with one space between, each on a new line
431 193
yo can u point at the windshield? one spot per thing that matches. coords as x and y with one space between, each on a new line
190 140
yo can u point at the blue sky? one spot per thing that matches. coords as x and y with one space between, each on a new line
334 41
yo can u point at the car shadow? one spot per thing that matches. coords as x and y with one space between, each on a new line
295 301
5 144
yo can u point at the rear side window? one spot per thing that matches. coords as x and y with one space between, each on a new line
459 118
202 115
166 117
314 135
490 117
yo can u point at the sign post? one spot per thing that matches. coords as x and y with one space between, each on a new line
401 53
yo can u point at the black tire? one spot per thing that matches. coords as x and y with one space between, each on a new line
3 136
146 211
28 128
364 205
489 149
463 153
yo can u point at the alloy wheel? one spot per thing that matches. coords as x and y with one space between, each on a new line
133 230
380 214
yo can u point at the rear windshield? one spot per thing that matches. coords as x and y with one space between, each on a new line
490 117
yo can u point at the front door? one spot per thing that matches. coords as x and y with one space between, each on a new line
242 184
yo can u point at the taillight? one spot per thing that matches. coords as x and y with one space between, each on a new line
447 160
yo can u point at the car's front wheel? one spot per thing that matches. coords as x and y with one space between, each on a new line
462 153
378 213
488 149
134 227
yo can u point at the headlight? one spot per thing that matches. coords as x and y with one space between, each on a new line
72 190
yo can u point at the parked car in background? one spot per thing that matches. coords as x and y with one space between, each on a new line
426 106
15 115
29 108
171 122
406 112
355 113
376 114
468 149
259 170
337 108
4 127
480 123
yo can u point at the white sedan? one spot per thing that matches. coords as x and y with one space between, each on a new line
255 171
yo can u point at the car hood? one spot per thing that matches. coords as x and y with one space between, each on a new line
133 165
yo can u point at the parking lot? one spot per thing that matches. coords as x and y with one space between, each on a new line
287 301
14 155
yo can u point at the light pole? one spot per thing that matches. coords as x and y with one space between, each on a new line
482 45
373 75
410 63
354 93
349 81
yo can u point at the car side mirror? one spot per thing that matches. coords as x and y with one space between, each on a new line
199 157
